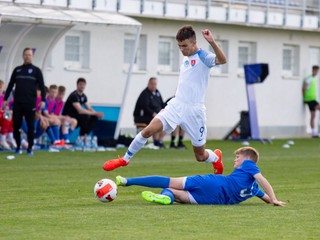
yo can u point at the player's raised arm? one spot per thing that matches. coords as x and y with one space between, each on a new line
271 197
220 57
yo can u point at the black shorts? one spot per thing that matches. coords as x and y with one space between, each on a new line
312 105
143 119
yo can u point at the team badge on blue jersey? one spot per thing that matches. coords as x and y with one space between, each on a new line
193 62
186 63
30 70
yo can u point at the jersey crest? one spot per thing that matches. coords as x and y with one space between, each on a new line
193 62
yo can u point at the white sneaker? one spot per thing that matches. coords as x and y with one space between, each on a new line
151 146
5 145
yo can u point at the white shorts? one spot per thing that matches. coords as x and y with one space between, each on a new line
191 198
190 117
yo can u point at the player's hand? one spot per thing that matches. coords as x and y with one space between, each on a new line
278 203
99 114
207 35
42 105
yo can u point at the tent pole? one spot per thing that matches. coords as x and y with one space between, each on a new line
126 88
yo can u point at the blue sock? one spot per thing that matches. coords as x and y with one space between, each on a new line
37 124
56 132
65 136
38 133
50 134
149 181
71 130
168 193
24 126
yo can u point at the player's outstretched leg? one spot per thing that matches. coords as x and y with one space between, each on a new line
138 142
218 165
121 181
114 163
156 198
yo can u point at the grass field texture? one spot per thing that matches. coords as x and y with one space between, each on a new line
50 196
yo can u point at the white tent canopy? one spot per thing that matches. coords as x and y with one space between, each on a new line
26 25
39 14
41 27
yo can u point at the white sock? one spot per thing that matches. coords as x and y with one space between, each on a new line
212 156
3 138
138 142
10 136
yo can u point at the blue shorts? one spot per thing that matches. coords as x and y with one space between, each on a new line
205 189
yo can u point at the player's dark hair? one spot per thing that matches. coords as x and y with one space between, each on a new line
27 49
81 80
152 78
185 32
315 67
53 86
249 152
61 89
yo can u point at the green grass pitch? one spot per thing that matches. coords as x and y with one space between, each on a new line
50 196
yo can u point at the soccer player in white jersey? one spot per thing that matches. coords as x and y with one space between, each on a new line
187 109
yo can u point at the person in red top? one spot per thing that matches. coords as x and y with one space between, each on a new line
6 124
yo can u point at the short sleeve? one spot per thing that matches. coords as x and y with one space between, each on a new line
74 98
256 191
208 58
250 167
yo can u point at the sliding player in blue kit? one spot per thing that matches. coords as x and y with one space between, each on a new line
237 187
187 108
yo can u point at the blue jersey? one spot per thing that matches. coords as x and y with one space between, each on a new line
232 189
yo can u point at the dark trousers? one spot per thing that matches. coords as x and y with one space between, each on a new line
28 112
86 123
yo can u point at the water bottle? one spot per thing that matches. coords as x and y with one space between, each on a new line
87 144
79 144
67 126
6 113
45 141
94 142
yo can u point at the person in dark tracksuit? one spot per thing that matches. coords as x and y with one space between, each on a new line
26 79
147 106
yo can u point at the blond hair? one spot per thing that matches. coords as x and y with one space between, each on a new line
249 152
1 83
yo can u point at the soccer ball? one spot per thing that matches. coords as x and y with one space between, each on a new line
105 190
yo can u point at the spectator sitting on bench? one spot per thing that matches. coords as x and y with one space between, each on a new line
68 124
77 107
147 106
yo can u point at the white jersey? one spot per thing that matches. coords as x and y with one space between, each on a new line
194 74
